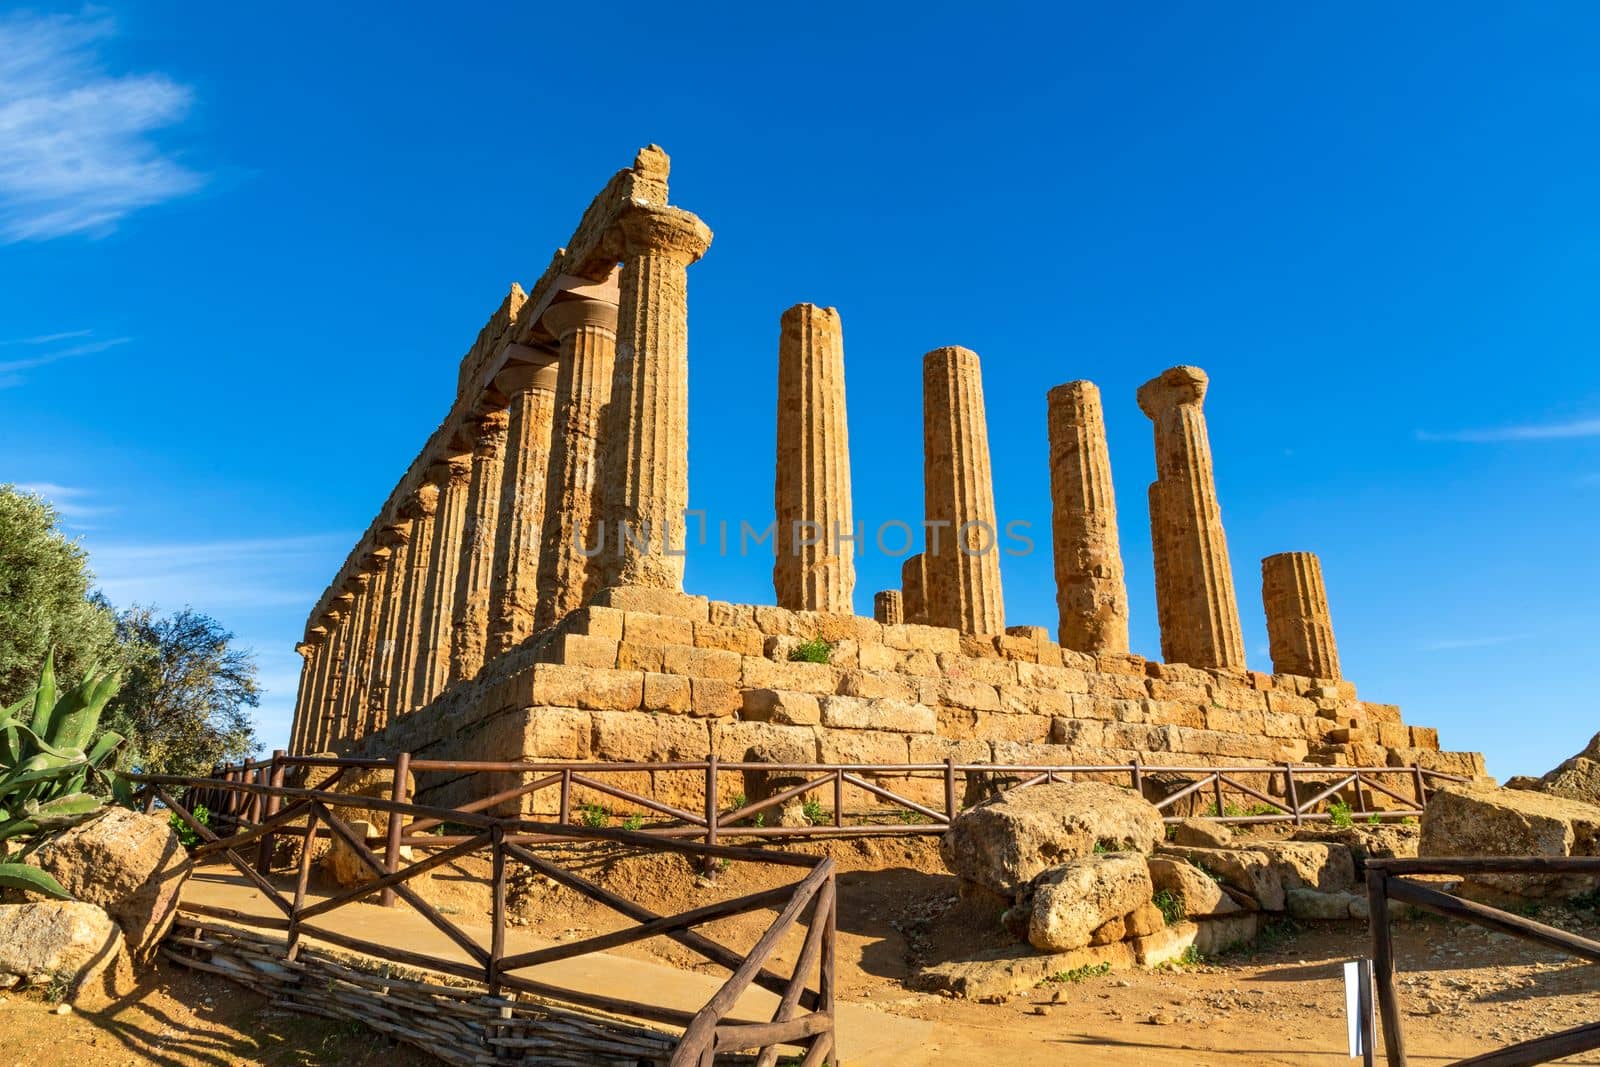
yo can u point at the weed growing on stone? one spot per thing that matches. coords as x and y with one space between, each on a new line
815 650
633 822
1339 812
1171 905
814 813
593 816
1078 974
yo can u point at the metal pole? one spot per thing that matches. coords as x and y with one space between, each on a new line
399 794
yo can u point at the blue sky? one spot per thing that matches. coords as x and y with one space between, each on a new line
242 250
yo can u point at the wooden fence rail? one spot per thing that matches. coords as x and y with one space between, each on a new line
1387 880
260 807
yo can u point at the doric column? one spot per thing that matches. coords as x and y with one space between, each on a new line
352 694
370 584
308 670
1198 609
469 624
1299 625
1091 594
963 549
888 607
316 701
421 507
333 691
813 570
914 588
587 332
452 476
646 435
396 538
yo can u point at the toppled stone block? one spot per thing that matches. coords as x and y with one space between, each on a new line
1072 901
1012 970
1200 833
1246 870
1166 944
1216 936
1304 903
1005 843
130 864
1482 821
1326 866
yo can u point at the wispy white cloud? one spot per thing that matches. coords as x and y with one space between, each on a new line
68 500
1450 644
47 338
1548 431
76 153
225 578
10 370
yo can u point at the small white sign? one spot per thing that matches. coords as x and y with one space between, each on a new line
1358 1008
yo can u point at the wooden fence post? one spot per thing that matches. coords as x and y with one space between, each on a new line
399 793
711 807
950 789
497 930
271 806
1293 795
1383 965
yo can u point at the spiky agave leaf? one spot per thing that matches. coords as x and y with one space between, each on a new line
22 876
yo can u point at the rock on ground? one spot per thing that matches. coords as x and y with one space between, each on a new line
1200 833
1252 874
65 939
1483 821
1006 843
1072 901
1322 865
346 867
129 863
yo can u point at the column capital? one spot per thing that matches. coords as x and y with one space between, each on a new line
395 534
422 503
374 562
671 232
1173 388
316 635
489 433
527 377
566 316
451 472
1074 394
342 603
356 583
305 649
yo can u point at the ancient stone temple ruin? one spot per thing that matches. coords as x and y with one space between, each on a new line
517 596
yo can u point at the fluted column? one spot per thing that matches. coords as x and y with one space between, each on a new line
587 332
646 438
396 538
1198 608
1091 593
452 476
422 508
316 702
469 626
813 570
914 588
302 694
370 605
888 607
963 550
1299 625
333 692
352 694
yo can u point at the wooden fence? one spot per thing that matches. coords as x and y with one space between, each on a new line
1387 880
561 1025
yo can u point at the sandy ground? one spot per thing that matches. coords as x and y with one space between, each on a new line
1464 990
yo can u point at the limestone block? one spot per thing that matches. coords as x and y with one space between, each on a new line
718 664
646 629
581 650
595 621
919 662
1170 713
713 698
634 656
1246 870
1303 903
1423 737
1392 736
666 692
858 713
925 749
1024 649
744 640
1324 866
967 693
1123 686
1216 936
1071 901
1199 833
996 726
1077 733
551 733
876 685
733 739
563 686
1388 713
782 622
647 600
877 658
633 737
1290 703
925 638
781 707
1144 921
1232 720
994 672
1201 895
1165 945
1161 689
863 746
795 676
1022 701
1477 820
735 616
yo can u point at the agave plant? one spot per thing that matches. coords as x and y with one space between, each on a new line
45 768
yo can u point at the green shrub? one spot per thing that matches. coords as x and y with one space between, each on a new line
633 822
186 834
47 766
593 816
1078 974
1340 812
814 813
815 650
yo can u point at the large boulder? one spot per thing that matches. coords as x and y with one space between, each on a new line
1474 820
56 940
1253 875
1006 843
348 869
1325 866
375 782
1073 901
1576 779
130 864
